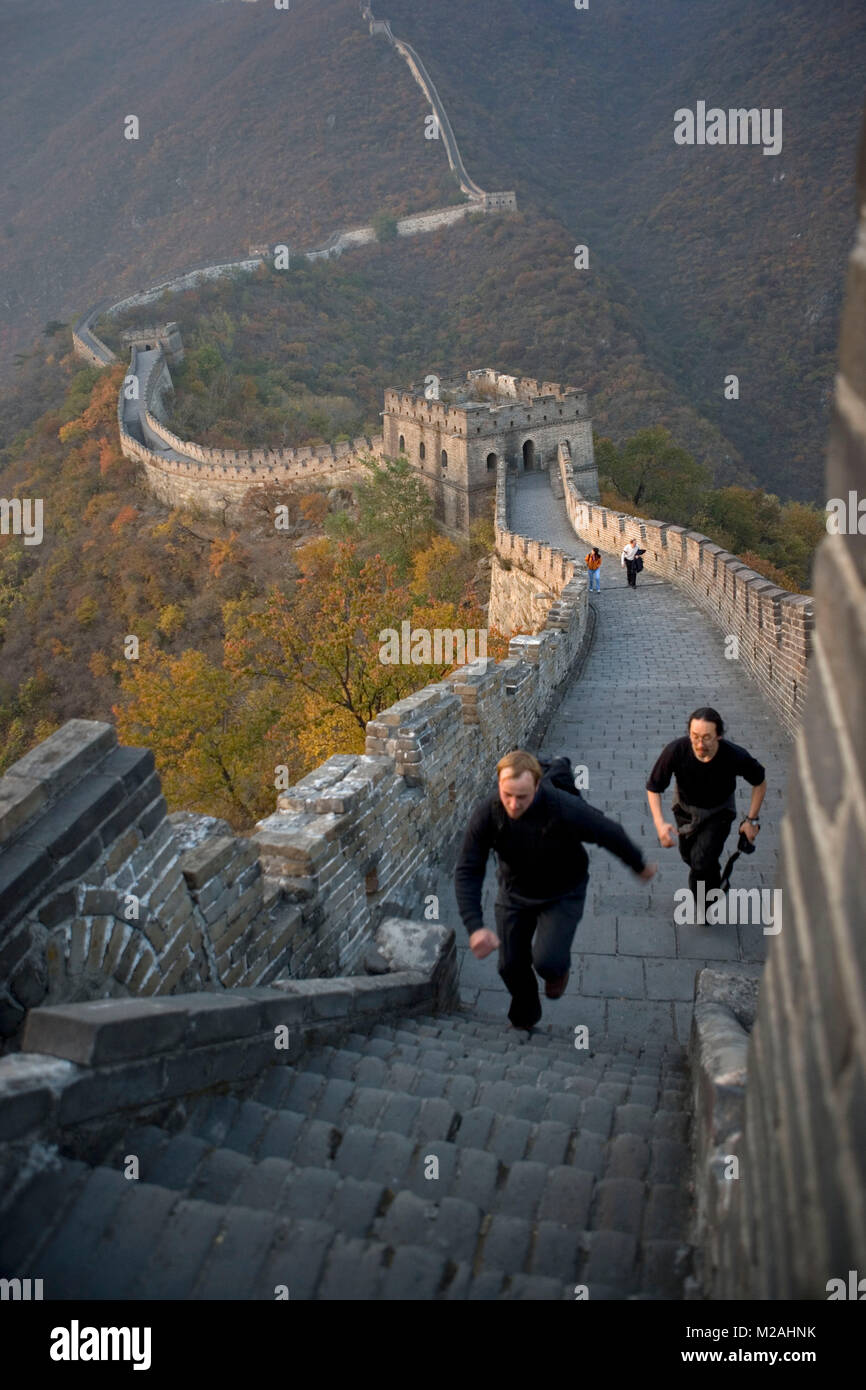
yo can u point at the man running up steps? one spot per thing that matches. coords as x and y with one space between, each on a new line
537 833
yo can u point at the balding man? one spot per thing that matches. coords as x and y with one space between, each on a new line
538 833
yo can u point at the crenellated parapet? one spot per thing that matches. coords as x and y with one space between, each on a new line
772 627
455 430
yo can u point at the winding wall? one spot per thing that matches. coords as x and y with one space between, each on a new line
181 473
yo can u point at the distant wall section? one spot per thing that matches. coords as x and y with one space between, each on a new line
773 627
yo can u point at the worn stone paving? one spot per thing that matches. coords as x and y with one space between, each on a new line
654 658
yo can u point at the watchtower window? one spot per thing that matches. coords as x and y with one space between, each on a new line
491 462
444 459
422 452
401 444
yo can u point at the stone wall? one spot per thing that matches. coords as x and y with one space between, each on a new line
518 601
489 201
102 893
187 474
796 1216
527 576
773 627
243 466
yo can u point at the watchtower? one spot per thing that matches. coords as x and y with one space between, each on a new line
162 335
454 431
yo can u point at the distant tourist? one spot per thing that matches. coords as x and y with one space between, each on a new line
537 833
631 558
593 564
705 767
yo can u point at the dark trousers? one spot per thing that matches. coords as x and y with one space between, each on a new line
538 937
632 574
702 850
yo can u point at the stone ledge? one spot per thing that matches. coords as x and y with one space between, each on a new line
41 1094
724 1012
83 1062
63 758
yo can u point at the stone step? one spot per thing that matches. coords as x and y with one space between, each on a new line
426 1158
124 1239
428 1071
67 1250
36 1212
137 1239
500 1163
484 1036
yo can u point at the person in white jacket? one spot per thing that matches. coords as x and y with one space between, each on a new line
630 554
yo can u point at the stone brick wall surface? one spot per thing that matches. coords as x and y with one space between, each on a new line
186 474
796 1216
102 895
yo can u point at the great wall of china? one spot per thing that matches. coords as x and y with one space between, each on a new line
123 1015
771 626
184 473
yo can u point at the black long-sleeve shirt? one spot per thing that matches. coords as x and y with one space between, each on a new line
540 854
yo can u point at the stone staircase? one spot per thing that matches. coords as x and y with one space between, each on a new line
557 1167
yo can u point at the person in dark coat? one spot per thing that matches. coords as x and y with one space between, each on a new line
537 833
705 766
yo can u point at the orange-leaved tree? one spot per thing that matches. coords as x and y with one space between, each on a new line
207 729
325 642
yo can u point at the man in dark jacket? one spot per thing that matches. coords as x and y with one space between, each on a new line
705 767
537 833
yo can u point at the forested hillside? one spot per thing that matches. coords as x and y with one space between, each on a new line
736 259
497 291
253 649
255 125
266 125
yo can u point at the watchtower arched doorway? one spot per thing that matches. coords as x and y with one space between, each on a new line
529 456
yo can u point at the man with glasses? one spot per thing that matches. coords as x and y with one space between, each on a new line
705 767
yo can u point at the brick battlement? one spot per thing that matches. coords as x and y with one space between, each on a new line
488 402
773 627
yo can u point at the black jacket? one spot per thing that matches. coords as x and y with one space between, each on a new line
541 854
